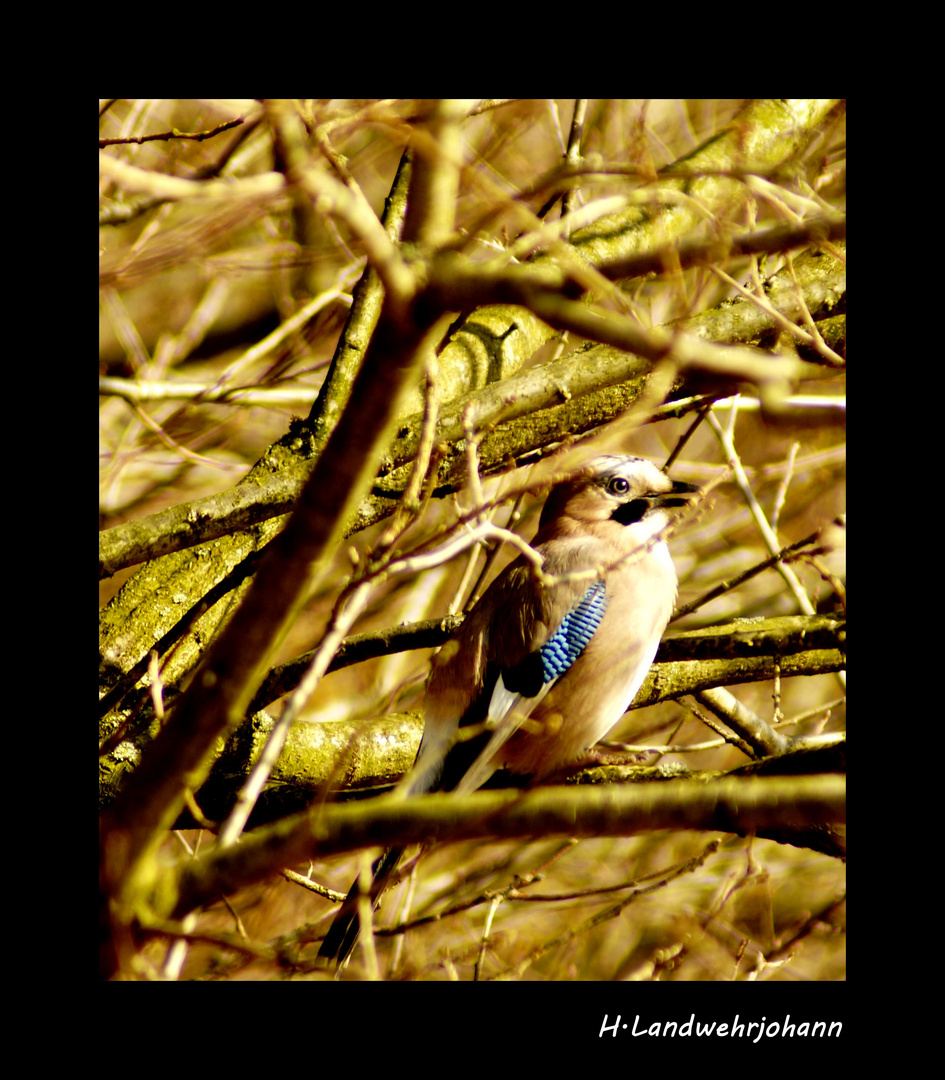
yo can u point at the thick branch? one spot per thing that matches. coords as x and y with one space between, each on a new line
557 385
221 691
731 805
362 755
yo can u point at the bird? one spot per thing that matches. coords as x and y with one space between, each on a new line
547 661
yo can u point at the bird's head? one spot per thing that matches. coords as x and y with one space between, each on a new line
625 490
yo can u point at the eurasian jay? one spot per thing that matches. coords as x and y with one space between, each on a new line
547 662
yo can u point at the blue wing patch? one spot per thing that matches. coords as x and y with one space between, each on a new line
528 682
577 628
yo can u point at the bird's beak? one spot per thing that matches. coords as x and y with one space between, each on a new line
681 495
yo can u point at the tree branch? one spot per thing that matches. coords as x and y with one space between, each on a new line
731 805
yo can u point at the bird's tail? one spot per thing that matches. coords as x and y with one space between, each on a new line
343 933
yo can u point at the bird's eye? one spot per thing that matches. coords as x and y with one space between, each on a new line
617 485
